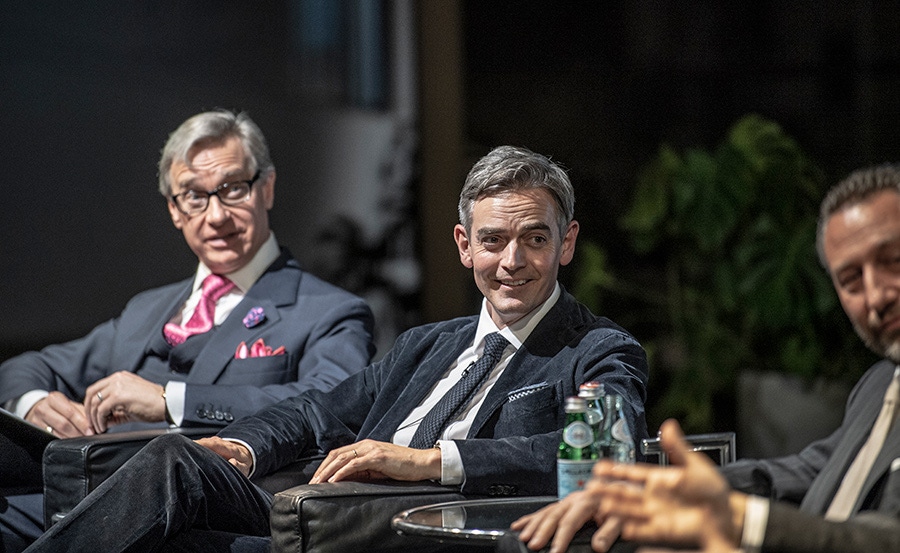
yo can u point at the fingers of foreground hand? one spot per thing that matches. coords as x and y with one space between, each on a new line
606 535
64 417
559 521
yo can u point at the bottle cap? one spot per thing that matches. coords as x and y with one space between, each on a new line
575 404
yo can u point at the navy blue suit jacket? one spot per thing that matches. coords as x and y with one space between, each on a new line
511 447
325 331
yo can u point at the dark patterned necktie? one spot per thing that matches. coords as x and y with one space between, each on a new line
458 396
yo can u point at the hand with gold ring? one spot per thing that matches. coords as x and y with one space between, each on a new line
123 397
60 416
374 460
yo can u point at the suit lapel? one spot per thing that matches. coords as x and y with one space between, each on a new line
825 485
440 357
882 465
158 314
276 288
530 363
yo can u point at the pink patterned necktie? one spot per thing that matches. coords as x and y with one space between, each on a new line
214 287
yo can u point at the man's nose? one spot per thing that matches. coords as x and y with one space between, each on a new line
881 291
216 211
513 256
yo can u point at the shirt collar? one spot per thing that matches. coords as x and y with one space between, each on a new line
245 277
518 332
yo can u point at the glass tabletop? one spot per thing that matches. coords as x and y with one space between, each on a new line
479 520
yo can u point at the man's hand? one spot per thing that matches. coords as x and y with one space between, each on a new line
561 520
684 504
123 397
371 460
233 452
61 416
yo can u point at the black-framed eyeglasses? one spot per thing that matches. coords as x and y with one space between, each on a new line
194 202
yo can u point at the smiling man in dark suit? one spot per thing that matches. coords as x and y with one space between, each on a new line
248 329
395 419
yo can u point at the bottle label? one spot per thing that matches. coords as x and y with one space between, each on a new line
578 434
620 432
572 475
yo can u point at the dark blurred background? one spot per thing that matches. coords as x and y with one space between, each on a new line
375 110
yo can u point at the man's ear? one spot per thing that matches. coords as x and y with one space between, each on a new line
568 243
268 190
177 217
462 243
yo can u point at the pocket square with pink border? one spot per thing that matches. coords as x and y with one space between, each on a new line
258 349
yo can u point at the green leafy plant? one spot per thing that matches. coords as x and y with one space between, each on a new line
734 282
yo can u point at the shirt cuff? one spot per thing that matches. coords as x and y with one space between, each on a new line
250 449
756 516
451 464
175 401
24 404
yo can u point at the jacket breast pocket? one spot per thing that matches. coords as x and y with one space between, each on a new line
256 371
531 410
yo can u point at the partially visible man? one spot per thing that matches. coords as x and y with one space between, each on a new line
248 329
849 472
689 504
474 402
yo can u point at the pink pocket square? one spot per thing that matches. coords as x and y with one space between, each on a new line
258 349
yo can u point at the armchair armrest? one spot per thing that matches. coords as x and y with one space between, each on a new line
74 467
718 445
350 516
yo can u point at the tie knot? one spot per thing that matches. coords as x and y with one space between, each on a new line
494 344
215 286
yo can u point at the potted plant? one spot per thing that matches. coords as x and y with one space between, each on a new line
730 280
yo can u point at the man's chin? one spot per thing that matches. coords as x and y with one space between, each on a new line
892 352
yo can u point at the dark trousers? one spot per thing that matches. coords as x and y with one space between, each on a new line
157 500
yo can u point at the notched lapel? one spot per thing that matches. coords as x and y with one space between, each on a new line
220 350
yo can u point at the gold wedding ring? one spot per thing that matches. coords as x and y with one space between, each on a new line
355 454
49 429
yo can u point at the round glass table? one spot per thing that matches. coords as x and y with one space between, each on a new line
476 521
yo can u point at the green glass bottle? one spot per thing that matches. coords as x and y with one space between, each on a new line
592 392
577 452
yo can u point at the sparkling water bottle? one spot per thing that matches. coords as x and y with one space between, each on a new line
616 443
577 453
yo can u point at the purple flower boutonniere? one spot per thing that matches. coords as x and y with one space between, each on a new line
254 317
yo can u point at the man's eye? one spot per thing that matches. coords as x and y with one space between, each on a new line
850 283
192 195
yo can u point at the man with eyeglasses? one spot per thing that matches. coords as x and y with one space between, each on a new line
248 329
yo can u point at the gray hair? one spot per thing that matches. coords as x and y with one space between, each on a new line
509 168
858 186
213 127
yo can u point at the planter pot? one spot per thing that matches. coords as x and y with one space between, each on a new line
781 414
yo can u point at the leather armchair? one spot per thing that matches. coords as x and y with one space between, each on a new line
73 467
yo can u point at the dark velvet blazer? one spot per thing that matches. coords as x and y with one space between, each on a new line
511 446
